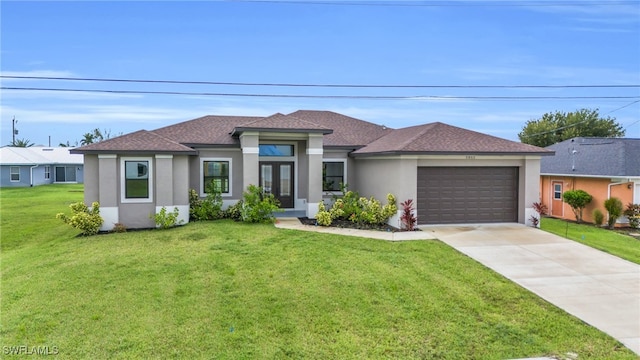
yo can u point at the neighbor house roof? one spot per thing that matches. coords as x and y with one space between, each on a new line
339 131
38 155
615 157
141 141
439 138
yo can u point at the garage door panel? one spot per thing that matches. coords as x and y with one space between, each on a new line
448 195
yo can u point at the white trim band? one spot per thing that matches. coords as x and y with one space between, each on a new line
315 151
250 150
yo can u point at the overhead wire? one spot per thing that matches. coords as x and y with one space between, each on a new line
369 97
382 86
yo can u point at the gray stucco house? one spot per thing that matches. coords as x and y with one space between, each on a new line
38 165
455 175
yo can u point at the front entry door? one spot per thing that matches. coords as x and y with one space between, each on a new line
277 178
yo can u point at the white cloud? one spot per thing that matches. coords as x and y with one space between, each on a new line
36 73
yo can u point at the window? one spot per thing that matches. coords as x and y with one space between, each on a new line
136 179
557 191
275 150
15 173
216 172
47 172
333 175
65 174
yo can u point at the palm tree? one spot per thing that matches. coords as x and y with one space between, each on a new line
22 143
87 139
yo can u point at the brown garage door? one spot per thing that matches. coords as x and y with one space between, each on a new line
459 195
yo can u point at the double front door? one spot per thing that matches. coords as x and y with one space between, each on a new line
276 177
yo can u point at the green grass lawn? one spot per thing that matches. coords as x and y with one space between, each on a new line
230 290
620 245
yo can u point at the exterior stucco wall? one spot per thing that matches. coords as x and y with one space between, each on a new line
398 175
302 171
600 189
6 176
378 178
91 174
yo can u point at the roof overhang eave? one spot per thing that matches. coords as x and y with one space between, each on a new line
479 153
134 152
239 130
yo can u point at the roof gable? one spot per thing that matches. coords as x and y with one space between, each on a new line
206 130
614 157
141 141
282 123
347 131
439 138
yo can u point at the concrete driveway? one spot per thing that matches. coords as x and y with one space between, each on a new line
600 289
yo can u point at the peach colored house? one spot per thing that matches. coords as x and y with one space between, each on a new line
603 167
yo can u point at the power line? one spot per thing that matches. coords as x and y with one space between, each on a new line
364 97
443 3
382 86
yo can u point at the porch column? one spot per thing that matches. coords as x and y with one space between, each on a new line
250 150
108 190
314 153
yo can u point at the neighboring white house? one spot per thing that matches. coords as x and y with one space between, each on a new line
37 165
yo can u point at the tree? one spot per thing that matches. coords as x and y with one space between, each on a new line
21 143
578 200
559 126
96 135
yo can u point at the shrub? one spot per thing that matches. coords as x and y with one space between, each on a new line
633 214
323 218
257 206
234 212
408 219
119 228
165 220
534 221
82 218
614 207
578 200
598 217
540 208
209 208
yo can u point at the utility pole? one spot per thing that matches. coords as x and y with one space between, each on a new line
14 132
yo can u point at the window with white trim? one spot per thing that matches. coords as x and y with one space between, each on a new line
333 175
15 173
65 174
47 172
557 191
216 173
136 180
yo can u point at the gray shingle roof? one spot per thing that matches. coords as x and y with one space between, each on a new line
339 131
347 131
439 138
594 156
141 141
282 123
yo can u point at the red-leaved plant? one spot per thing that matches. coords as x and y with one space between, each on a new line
407 218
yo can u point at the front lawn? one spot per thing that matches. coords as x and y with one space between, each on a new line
620 245
230 290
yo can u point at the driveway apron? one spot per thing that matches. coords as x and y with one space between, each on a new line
598 288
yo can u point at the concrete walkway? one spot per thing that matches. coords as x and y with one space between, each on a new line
294 223
600 289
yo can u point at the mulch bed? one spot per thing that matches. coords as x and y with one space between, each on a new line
345 224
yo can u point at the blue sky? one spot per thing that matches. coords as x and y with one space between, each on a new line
548 42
